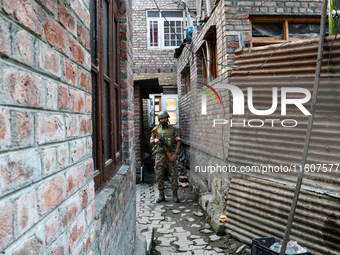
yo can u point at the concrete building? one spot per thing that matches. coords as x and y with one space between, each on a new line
62 192
229 46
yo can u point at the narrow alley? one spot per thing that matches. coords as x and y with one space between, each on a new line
237 101
179 228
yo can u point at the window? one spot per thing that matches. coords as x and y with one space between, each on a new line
209 54
270 30
187 82
104 34
164 33
161 102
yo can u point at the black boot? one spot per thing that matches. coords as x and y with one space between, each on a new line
161 197
174 196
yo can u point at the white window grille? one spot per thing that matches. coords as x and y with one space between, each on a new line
164 33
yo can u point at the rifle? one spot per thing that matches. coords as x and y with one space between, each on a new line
163 143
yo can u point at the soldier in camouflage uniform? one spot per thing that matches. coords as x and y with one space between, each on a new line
162 162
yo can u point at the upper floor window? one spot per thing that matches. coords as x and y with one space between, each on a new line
164 33
271 30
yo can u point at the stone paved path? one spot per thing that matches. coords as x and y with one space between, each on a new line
180 228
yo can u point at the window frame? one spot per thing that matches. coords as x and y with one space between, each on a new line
105 169
261 41
160 20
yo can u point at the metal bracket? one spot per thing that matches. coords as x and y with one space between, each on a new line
336 14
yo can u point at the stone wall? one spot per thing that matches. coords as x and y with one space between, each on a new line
47 196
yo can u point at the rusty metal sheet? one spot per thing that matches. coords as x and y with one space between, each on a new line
259 202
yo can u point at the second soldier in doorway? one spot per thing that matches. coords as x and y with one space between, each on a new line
162 162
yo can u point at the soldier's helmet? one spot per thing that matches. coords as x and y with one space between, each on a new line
163 114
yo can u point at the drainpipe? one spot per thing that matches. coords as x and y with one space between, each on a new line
309 127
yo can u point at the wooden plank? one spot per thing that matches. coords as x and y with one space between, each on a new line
285 30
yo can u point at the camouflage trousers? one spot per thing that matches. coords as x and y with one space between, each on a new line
163 164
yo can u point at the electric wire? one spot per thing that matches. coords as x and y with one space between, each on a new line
207 60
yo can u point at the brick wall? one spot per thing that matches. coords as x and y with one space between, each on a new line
230 18
150 64
47 203
113 229
46 166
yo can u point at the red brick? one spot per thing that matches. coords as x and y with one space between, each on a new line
23 88
50 128
78 150
72 126
28 12
55 35
50 60
90 217
292 4
85 126
76 231
67 19
5 129
70 211
60 247
63 97
91 190
78 8
269 4
88 104
49 4
6 224
70 72
51 193
19 169
89 146
27 213
49 159
77 101
85 80
25 47
88 169
75 179
77 51
315 5
87 244
24 128
52 96
63 156
87 19
83 36
242 16
84 198
33 244
52 227
5 38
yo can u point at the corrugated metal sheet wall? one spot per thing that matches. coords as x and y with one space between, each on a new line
291 66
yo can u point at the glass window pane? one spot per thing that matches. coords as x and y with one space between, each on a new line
173 118
171 104
304 30
266 29
153 14
172 14
116 121
94 139
107 140
105 36
115 45
93 30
